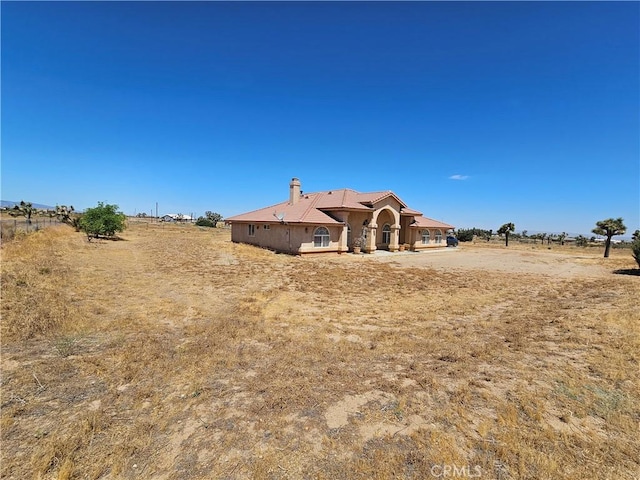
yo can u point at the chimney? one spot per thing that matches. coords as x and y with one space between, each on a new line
294 191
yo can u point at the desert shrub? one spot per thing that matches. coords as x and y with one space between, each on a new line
103 220
635 249
205 222
467 234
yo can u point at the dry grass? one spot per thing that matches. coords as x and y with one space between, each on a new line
175 354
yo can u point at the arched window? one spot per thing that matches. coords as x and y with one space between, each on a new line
386 234
438 236
321 237
425 237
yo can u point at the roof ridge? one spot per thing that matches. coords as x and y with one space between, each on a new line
311 204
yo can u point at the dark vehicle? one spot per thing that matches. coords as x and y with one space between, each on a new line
452 241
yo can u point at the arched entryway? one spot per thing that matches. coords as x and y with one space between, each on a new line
385 233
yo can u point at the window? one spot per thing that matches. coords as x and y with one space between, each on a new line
438 236
425 237
386 234
321 237
267 227
252 230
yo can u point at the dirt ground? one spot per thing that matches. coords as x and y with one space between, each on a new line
510 260
176 354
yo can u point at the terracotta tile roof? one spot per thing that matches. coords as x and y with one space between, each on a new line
311 208
344 198
304 211
410 211
373 197
424 222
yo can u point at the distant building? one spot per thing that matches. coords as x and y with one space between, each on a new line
174 217
336 221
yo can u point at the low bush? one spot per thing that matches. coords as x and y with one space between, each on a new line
635 248
205 222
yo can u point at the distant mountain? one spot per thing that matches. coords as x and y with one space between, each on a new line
10 204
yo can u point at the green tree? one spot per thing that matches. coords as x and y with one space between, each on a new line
505 230
204 222
609 228
635 248
635 236
213 217
23 209
103 220
468 234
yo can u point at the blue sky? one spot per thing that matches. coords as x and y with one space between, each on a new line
476 113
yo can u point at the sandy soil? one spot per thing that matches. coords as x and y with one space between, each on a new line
190 357
515 260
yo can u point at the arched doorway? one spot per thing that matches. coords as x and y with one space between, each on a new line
384 234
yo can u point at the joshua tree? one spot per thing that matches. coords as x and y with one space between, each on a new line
506 229
561 237
64 213
582 241
69 216
23 209
542 237
635 236
609 228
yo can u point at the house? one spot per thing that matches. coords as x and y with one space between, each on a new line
175 217
334 220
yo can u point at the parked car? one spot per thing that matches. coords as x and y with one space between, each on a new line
452 241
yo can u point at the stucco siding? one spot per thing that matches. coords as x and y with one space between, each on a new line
416 234
286 238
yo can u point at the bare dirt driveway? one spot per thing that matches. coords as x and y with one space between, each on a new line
518 259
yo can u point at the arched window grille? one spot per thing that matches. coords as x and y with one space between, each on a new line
321 237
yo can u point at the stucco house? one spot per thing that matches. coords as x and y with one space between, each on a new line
332 221
176 217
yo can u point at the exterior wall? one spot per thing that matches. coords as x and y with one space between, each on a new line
306 236
274 237
295 239
405 232
416 239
